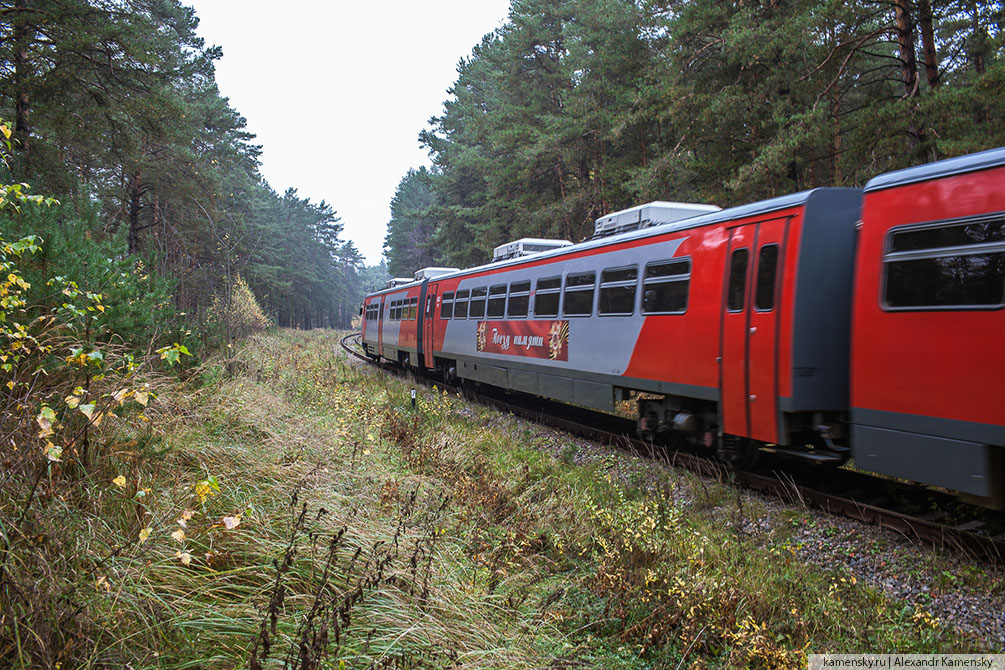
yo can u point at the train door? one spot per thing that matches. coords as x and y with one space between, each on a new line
380 328
749 345
427 327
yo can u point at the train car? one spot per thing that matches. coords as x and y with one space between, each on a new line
391 323
928 359
735 321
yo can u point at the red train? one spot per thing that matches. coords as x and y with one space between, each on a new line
823 324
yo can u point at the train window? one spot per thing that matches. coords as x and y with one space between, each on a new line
461 304
736 293
519 299
767 269
665 287
617 291
497 301
957 264
395 312
447 306
546 297
413 308
477 309
578 299
988 231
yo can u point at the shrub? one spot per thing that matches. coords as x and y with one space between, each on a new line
237 313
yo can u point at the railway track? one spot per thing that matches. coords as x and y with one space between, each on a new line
940 519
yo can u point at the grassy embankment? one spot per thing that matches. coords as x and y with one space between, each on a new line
376 536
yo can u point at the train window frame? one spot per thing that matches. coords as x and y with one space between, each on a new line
522 296
413 308
729 280
548 290
680 278
618 284
499 292
758 285
579 288
447 314
480 295
890 257
458 301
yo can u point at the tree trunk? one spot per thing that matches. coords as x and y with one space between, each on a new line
928 42
909 68
905 42
22 37
135 205
978 40
836 176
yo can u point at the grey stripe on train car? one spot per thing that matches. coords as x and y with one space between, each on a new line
986 433
955 464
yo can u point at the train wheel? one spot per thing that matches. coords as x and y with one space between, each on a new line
739 453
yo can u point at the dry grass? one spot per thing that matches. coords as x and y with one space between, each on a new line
373 536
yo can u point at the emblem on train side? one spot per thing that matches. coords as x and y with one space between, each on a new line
530 339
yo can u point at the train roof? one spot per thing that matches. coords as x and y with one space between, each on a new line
743 211
944 168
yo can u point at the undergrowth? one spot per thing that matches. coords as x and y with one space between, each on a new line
291 509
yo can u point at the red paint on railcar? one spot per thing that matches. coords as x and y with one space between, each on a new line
947 363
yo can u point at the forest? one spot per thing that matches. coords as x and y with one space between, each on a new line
114 111
577 108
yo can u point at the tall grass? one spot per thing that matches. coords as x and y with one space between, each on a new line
327 524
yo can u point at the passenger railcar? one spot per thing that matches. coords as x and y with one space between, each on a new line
928 362
391 323
734 327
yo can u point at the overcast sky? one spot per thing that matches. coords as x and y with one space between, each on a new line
338 91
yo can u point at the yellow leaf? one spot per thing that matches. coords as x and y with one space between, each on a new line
141 397
184 557
71 401
231 522
144 534
120 481
179 535
5 130
52 452
10 385
120 395
187 514
45 420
